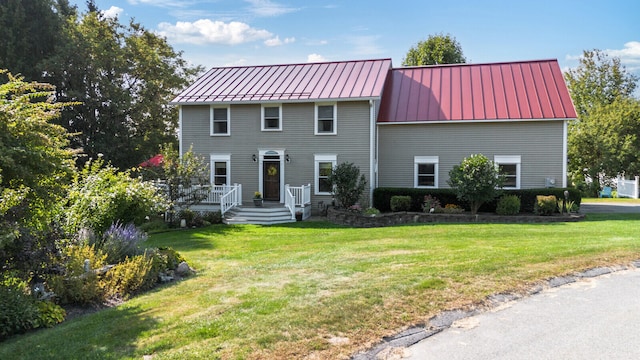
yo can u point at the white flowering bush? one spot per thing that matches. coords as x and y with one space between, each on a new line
101 195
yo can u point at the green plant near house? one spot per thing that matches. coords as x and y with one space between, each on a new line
508 205
545 205
476 180
347 183
400 203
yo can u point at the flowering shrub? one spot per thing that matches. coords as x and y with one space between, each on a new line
122 241
101 195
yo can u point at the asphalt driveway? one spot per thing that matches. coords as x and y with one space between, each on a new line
593 318
612 207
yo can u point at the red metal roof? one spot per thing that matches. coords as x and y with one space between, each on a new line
360 79
496 91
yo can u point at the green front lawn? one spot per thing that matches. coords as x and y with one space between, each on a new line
285 292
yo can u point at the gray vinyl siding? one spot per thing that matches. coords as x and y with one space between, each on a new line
351 144
540 145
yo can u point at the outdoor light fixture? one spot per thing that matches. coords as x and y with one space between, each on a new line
254 158
287 158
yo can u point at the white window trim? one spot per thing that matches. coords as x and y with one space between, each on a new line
510 160
335 119
262 119
333 159
228 133
425 160
214 158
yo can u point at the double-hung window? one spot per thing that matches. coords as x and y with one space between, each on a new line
509 167
425 171
324 164
271 117
326 119
220 166
220 121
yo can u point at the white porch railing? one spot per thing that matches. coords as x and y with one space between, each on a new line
628 188
231 196
296 197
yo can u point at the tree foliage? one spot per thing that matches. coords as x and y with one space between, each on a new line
476 180
602 141
347 183
437 49
122 74
101 195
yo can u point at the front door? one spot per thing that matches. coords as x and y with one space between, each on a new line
271 180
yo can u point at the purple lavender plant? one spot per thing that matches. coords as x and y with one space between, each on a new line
122 241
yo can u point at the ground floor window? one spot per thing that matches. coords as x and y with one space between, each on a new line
220 164
324 164
509 166
425 171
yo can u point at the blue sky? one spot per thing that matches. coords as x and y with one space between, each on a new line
254 32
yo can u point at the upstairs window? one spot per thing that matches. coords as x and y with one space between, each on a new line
509 166
220 121
271 118
326 123
425 171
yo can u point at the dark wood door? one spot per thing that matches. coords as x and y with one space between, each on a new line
271 183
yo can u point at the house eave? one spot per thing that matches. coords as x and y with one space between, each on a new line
427 122
274 101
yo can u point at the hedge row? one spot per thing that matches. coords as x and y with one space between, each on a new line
382 197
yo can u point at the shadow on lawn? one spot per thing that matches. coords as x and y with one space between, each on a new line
103 334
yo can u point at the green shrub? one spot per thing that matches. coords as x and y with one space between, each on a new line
167 258
76 286
101 195
128 277
475 181
508 205
347 183
400 203
50 314
545 205
371 211
18 310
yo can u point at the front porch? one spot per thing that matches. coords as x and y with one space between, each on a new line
228 200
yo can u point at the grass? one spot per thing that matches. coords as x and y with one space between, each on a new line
316 290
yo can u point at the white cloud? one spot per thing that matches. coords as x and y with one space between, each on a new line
277 42
205 31
268 8
113 12
315 58
629 55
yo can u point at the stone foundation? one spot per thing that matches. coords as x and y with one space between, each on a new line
349 218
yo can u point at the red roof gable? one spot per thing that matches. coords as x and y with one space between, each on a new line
497 91
360 79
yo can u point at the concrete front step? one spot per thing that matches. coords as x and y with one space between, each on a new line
258 215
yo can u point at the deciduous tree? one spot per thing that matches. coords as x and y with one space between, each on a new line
476 180
437 49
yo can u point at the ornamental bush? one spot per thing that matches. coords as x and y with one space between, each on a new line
508 205
400 203
475 181
545 205
347 183
101 195
122 241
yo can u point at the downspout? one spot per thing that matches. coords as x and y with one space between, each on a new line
564 152
180 130
373 180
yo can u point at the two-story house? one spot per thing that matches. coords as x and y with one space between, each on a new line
267 127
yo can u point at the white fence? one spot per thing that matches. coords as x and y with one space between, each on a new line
296 197
628 188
